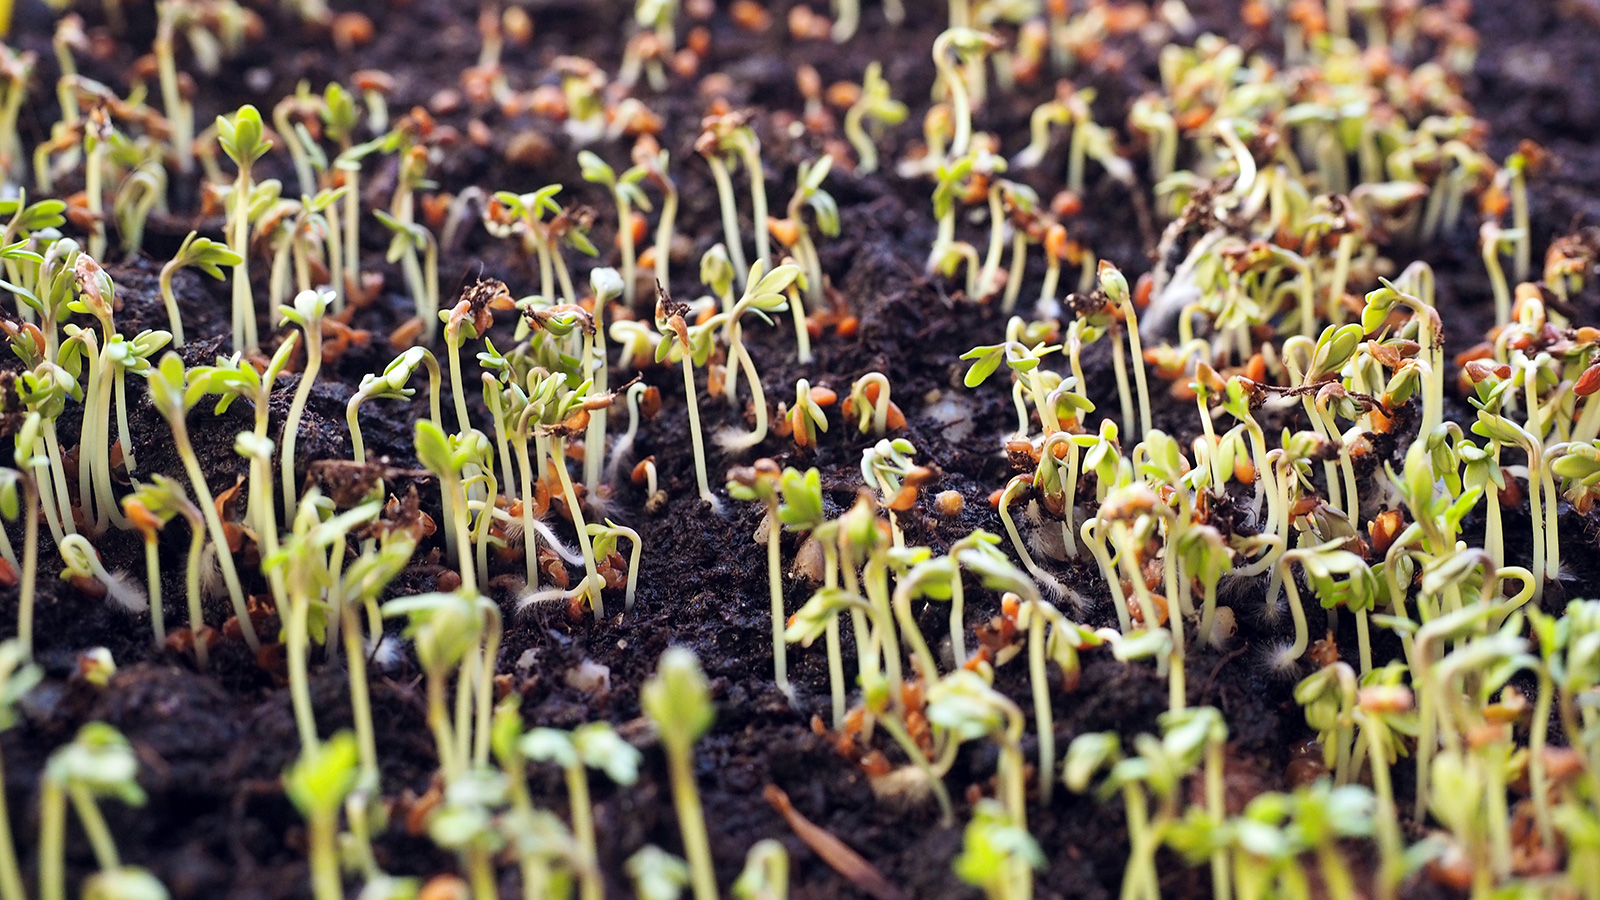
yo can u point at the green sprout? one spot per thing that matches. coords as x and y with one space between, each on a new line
878 105
763 294
657 874
996 852
19 497
761 483
242 138
693 345
626 195
17 677
422 278
678 701
766 872
98 763
195 252
149 508
795 235
392 384
724 138
317 783
307 312
447 630
953 49
592 746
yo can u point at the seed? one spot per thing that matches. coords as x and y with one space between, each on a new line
751 16
949 503
351 30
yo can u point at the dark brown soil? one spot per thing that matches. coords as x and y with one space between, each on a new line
213 744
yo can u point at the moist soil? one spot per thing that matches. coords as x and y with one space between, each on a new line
212 744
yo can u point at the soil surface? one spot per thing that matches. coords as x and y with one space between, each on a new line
212 744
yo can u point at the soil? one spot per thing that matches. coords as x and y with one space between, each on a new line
212 744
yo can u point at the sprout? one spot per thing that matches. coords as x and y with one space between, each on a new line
17 677
80 561
149 508
242 138
301 571
795 234
694 348
607 287
966 705
392 385
657 874
603 541
13 481
968 46
363 582
877 104
98 763
124 883
317 783
761 483
997 854
726 137
447 629
764 294
307 312
201 253
421 278
232 378
766 872
625 194
806 416
596 746
678 701
447 457
464 822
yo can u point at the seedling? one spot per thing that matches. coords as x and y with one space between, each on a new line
693 346
728 137
80 562
764 294
19 497
448 630
997 854
760 483
392 384
17 677
241 137
422 277
766 872
657 874
592 746
954 49
149 509
307 312
197 252
877 105
317 783
98 763
795 234
626 195
678 701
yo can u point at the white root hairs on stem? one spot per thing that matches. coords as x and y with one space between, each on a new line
211 583
732 439
124 592
566 553
387 654
547 595
621 454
